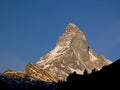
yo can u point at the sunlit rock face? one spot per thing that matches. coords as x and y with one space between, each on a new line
32 72
71 54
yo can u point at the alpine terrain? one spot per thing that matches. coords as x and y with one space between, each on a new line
70 62
71 54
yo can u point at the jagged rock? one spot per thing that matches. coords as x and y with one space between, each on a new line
34 72
71 54
14 74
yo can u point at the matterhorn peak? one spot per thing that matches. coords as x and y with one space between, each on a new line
73 30
71 54
71 26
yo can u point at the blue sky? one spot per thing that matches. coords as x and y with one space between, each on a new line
31 28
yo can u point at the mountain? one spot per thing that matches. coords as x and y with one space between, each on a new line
71 54
72 64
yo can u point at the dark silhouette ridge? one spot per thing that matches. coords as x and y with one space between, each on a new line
108 77
10 83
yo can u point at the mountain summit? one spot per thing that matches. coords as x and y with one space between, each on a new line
71 54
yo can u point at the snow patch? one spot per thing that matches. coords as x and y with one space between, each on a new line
46 66
92 57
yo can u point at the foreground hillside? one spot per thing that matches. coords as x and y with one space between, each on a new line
108 77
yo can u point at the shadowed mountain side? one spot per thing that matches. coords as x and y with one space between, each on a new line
108 77
10 83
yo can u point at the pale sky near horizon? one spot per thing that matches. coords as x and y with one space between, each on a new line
31 28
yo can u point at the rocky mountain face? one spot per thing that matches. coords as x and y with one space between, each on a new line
32 72
71 54
36 73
